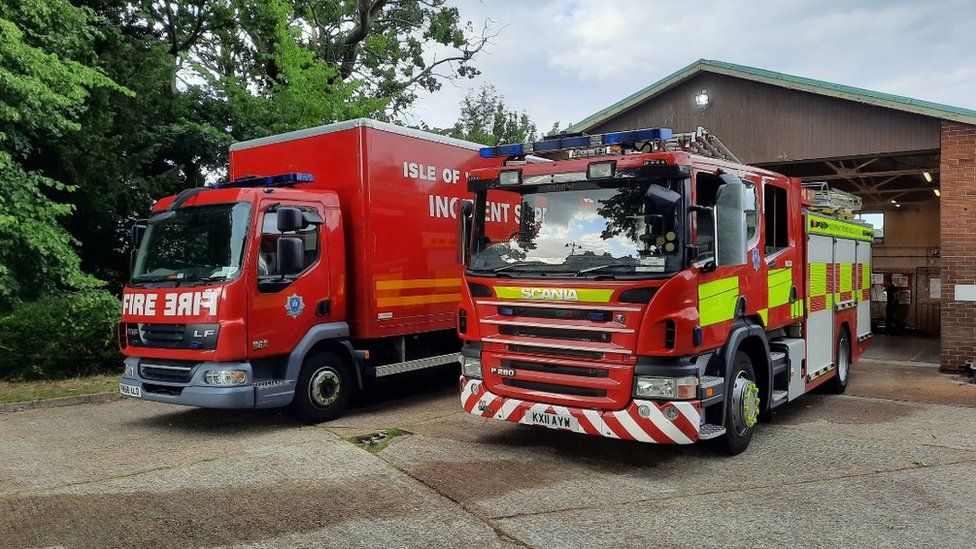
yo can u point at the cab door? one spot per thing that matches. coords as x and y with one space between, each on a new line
284 308
781 252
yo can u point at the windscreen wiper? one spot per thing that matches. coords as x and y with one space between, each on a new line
597 268
517 264
204 280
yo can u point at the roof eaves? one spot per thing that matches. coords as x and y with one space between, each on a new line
820 87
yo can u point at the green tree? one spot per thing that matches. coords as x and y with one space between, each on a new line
486 119
45 80
207 73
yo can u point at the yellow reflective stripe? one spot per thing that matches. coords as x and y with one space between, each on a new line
866 276
818 280
417 300
417 283
780 281
846 276
764 315
719 286
554 294
717 299
817 224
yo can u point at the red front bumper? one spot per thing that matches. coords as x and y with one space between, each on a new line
676 422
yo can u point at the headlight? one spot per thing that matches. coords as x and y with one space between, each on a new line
471 367
665 387
129 370
225 377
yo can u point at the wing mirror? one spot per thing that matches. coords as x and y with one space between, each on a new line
291 255
662 198
291 219
464 226
730 222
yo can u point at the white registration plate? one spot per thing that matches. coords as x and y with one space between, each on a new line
553 421
130 390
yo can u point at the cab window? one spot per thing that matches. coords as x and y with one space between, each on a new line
268 257
706 194
777 212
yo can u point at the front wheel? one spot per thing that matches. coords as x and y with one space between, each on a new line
741 407
324 388
838 384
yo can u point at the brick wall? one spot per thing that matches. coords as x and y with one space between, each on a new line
958 234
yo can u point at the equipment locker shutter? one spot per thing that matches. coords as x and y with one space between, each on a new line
862 286
820 303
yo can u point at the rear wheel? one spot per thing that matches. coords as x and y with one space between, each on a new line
838 384
324 387
741 407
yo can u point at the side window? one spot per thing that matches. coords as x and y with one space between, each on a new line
752 213
777 217
268 258
706 191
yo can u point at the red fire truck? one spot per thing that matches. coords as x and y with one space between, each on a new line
653 288
328 259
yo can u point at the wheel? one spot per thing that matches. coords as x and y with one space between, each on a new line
741 407
324 387
838 384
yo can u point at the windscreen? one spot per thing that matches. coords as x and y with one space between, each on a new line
581 229
200 243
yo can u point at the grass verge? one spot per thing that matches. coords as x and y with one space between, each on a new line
23 391
375 442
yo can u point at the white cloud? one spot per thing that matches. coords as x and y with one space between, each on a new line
564 60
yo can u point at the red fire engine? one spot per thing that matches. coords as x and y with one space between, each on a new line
326 261
653 288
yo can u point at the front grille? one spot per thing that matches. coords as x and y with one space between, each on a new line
162 335
592 355
555 333
554 369
555 388
172 336
162 389
558 314
170 371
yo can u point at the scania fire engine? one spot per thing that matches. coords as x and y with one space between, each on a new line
653 288
327 260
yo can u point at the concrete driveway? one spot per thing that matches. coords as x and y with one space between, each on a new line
891 464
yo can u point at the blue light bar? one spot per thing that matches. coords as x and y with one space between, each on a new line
633 136
514 149
576 142
269 181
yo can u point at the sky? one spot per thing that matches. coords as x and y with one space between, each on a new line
562 60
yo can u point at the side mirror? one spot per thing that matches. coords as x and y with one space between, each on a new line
138 229
730 222
291 255
662 198
464 226
135 238
291 219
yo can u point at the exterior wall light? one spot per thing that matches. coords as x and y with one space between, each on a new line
702 99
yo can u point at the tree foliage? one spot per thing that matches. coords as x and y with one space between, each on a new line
202 74
486 119
46 79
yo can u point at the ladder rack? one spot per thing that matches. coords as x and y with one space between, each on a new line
819 197
701 142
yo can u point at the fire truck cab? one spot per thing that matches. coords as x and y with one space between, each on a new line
653 288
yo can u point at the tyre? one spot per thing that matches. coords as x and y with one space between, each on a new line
324 388
741 407
838 384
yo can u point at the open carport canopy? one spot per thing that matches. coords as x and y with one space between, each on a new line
906 158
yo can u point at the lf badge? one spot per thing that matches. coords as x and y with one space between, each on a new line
294 305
